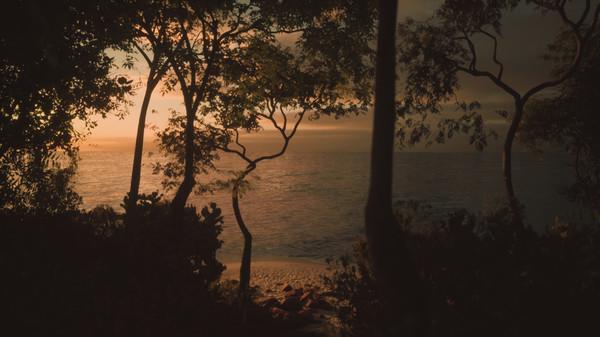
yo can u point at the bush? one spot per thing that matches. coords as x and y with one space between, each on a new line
482 281
86 274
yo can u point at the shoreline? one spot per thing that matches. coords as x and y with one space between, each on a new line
272 275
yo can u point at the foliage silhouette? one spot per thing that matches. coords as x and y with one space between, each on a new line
570 120
436 51
84 273
478 286
153 39
271 85
53 72
259 79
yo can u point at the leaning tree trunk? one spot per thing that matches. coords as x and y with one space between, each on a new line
399 287
515 206
187 185
245 266
139 147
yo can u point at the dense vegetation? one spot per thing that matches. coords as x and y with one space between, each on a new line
482 280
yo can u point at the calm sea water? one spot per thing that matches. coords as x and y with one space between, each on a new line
310 205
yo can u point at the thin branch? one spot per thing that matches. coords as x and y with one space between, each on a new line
143 52
181 78
581 44
473 65
283 114
593 24
287 31
188 45
585 13
227 149
495 55
300 117
501 84
286 141
254 25
236 25
237 141
271 118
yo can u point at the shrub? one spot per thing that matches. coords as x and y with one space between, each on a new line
86 274
482 281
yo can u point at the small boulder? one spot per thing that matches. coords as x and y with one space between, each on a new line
328 293
306 296
279 313
291 303
287 288
318 304
324 305
296 293
311 304
268 302
306 314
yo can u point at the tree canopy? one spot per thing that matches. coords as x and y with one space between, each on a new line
53 72
570 119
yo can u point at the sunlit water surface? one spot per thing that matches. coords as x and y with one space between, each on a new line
310 205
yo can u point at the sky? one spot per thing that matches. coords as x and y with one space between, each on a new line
526 34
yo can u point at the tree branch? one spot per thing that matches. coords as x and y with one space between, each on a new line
287 31
473 65
144 54
237 141
227 149
501 84
581 44
283 114
585 13
472 70
495 55
286 140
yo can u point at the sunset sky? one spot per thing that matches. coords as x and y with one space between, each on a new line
526 34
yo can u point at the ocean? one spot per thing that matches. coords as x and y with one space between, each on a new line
310 205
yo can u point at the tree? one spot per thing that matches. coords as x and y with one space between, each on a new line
326 72
434 52
271 84
399 287
213 34
52 73
154 40
209 31
569 119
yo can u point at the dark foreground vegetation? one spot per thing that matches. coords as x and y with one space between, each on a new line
84 274
481 280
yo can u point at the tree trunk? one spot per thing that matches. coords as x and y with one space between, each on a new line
245 266
400 289
187 185
514 204
139 147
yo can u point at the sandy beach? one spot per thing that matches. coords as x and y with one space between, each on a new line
272 275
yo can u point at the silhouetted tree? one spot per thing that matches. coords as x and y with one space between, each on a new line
270 85
399 288
435 51
154 39
210 33
213 34
570 119
52 72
